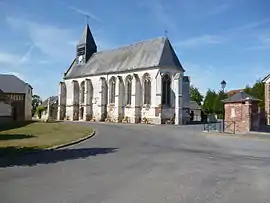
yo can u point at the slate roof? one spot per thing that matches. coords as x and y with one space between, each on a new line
239 97
87 37
266 78
145 54
12 84
194 105
53 100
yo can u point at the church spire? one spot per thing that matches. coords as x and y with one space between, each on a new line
86 46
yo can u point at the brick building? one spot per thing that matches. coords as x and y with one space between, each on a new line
266 81
241 113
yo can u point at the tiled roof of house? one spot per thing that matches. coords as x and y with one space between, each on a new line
239 97
53 100
232 92
150 53
12 84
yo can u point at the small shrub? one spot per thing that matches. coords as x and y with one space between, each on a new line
39 111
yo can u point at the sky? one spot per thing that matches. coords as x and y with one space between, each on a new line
215 40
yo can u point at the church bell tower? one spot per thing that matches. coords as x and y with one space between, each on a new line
86 47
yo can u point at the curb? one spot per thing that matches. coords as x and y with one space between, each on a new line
237 136
73 142
55 147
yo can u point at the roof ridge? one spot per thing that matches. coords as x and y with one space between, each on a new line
132 44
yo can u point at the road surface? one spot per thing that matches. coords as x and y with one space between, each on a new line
127 163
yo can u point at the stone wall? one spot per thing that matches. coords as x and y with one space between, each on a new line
137 111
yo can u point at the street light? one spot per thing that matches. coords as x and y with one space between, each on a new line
223 85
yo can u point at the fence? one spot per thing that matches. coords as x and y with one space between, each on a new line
220 126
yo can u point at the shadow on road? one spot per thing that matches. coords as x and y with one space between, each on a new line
52 156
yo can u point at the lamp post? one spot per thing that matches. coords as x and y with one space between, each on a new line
223 85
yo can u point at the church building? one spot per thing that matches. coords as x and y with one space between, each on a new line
138 83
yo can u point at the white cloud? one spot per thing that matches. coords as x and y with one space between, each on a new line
219 9
200 41
159 11
261 39
251 25
27 56
50 40
8 58
85 13
201 77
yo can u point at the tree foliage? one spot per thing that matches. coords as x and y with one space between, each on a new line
218 107
39 111
209 100
195 95
36 101
257 90
213 100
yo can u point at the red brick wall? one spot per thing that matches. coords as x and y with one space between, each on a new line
241 120
267 101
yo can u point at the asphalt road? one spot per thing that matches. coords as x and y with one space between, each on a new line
143 164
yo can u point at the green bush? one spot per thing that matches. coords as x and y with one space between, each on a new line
39 111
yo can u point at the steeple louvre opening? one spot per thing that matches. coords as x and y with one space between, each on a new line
86 46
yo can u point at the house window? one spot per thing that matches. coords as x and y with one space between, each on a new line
166 90
112 90
129 90
147 89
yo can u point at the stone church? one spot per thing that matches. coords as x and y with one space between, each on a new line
138 83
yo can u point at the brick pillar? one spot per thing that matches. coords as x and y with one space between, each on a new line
267 102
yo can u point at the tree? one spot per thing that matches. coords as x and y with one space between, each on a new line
39 110
209 100
218 104
195 95
36 101
257 90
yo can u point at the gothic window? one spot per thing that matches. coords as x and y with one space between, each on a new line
112 90
128 90
147 89
166 90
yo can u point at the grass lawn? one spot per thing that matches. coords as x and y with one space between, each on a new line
20 137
